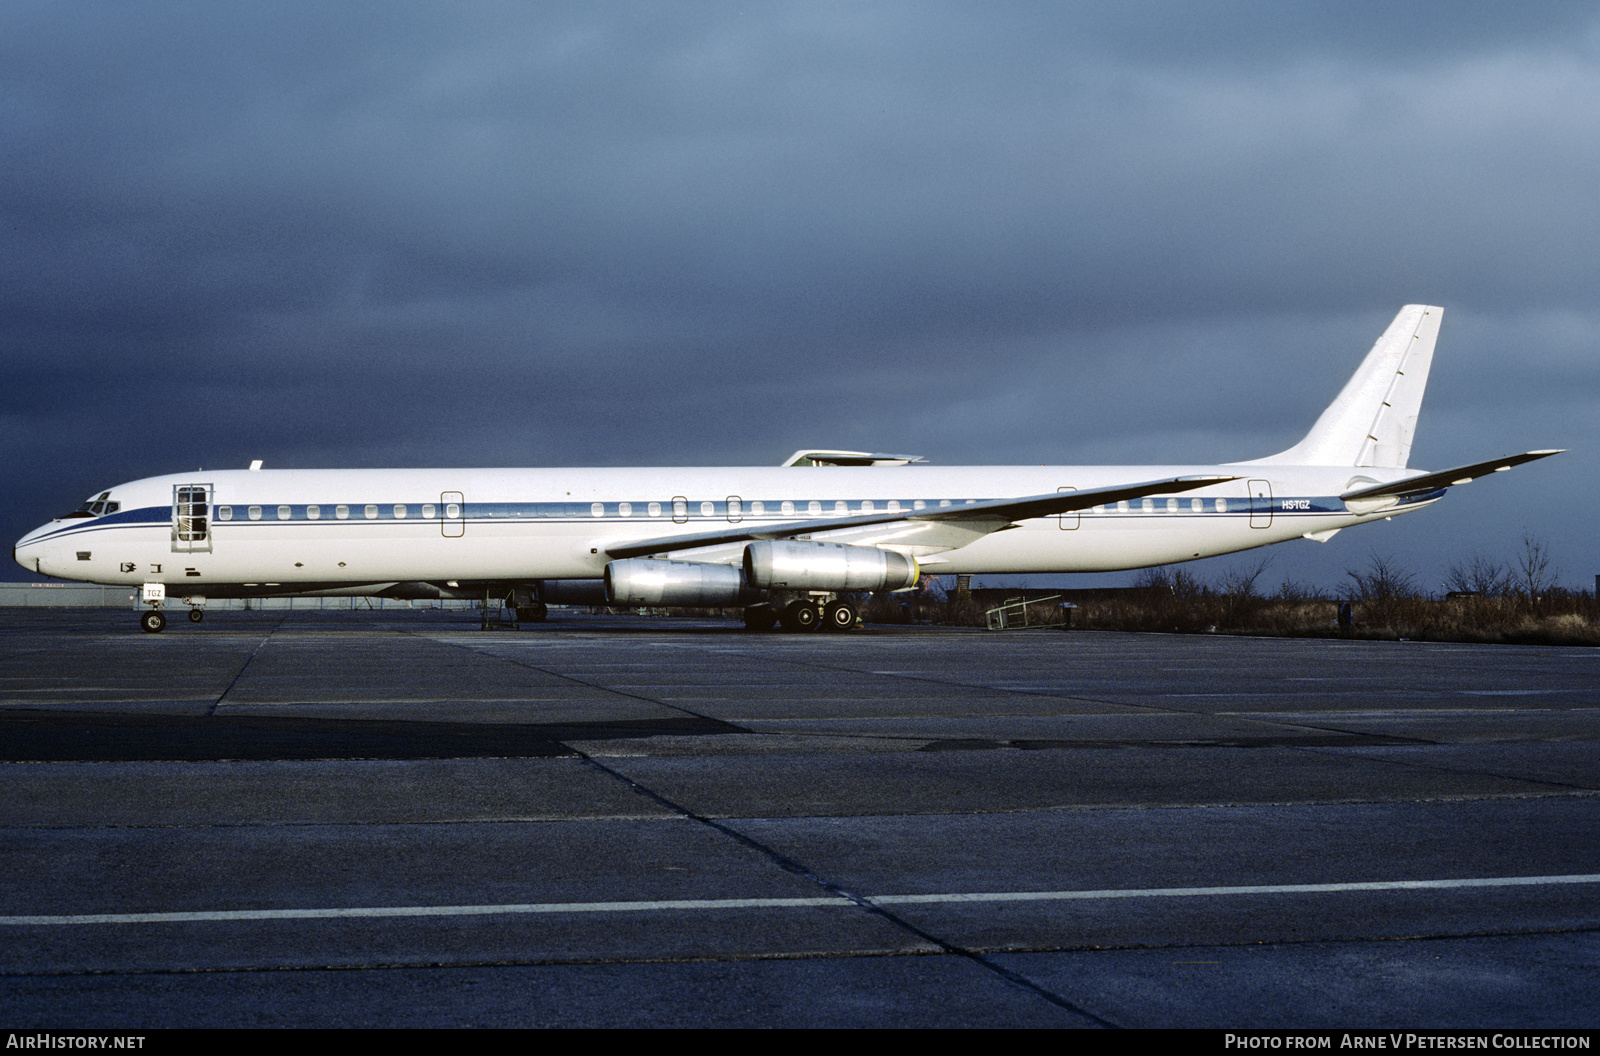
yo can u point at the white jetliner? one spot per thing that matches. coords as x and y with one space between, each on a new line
724 537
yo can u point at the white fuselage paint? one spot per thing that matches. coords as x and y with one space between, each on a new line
528 524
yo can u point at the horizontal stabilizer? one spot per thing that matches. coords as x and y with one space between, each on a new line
994 514
1443 479
805 457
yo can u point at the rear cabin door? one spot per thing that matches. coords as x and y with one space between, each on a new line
1260 504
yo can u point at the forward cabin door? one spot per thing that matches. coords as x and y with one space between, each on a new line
453 514
191 518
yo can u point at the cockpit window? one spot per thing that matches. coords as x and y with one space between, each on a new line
98 506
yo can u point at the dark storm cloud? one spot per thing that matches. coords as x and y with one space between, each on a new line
638 233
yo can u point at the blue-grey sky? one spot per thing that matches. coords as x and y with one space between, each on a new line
374 234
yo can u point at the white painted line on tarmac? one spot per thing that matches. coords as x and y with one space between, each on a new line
428 911
791 903
1256 889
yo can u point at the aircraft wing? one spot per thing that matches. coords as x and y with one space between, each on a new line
987 515
1444 478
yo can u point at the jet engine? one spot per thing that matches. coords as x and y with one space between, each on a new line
793 565
650 581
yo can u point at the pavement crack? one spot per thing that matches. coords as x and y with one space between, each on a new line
244 666
862 902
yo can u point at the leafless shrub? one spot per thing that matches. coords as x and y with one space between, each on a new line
1535 574
1382 581
1478 575
1240 580
1291 592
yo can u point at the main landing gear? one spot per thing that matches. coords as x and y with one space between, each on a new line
530 611
804 614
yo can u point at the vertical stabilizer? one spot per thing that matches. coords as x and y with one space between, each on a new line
1375 416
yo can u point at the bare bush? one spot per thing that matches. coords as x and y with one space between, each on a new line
1383 580
1535 574
1478 575
1240 581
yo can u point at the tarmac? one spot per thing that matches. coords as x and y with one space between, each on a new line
396 819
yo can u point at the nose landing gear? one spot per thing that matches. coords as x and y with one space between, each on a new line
153 595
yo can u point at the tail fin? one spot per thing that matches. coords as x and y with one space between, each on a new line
1372 421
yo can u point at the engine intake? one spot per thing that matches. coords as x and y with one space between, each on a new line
793 565
650 581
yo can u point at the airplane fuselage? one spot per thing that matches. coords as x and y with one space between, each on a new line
320 529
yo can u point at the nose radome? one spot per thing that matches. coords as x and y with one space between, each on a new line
25 551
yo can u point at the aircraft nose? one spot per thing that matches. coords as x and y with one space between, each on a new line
25 551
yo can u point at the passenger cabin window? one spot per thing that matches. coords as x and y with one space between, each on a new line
224 513
1221 506
757 508
625 509
283 513
841 507
371 512
342 512
708 509
313 513
597 509
655 509
787 507
680 509
866 506
427 510
399 511
255 513
735 508
814 506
